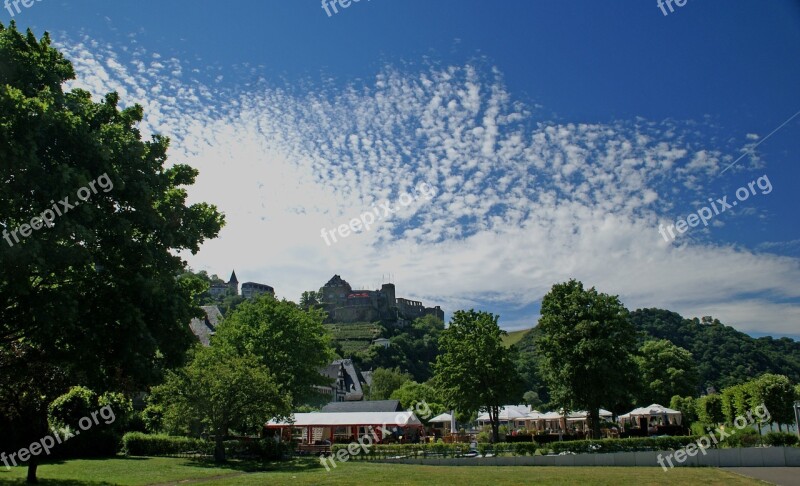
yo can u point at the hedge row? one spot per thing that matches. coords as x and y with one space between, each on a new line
778 439
140 444
622 445
154 445
377 451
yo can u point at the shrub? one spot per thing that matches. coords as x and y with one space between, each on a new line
747 437
622 445
778 439
139 444
524 448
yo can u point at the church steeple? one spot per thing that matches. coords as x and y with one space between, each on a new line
233 283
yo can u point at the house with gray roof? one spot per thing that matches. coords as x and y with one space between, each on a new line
205 327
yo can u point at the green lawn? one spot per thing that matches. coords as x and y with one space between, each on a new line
163 471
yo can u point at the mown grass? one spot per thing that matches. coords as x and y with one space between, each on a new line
163 471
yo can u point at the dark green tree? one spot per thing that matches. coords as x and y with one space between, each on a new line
687 407
586 347
221 391
93 220
310 299
385 382
777 394
475 370
709 409
292 343
665 370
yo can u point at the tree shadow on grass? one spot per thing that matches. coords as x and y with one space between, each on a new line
250 466
53 482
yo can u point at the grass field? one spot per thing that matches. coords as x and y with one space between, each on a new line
164 471
513 337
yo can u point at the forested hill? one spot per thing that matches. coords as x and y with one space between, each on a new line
724 355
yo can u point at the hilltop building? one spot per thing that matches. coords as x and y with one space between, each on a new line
249 289
344 304
252 289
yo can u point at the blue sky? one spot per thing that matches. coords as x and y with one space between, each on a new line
558 136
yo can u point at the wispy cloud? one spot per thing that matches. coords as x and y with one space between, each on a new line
521 203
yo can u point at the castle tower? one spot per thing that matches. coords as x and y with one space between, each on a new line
233 283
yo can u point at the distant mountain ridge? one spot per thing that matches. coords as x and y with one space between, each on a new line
724 355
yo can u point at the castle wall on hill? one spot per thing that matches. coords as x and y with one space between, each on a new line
344 304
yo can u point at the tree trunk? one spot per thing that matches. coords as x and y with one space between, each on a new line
33 464
494 418
219 448
594 418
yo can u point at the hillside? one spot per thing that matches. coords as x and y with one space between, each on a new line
724 355
513 337
354 337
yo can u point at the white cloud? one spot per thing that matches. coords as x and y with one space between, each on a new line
521 203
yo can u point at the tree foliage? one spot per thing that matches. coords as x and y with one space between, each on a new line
687 406
413 349
385 382
220 391
724 356
292 343
665 370
419 396
475 371
586 348
119 245
776 393
709 409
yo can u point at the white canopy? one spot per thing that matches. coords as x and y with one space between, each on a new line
509 412
653 409
550 416
583 415
443 418
341 419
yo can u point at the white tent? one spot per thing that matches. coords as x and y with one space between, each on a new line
442 418
339 419
507 413
583 415
653 411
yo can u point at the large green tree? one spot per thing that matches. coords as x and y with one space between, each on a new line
777 394
475 371
385 382
586 348
94 220
220 391
291 342
411 394
665 370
